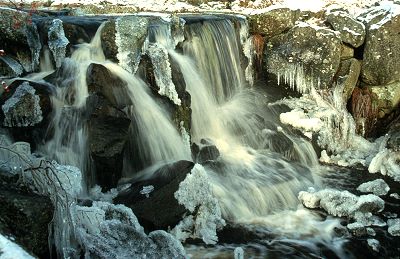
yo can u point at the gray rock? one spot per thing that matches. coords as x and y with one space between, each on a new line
23 108
351 31
273 22
394 226
378 187
382 45
306 56
57 41
348 76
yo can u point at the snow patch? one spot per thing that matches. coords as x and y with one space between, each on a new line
195 193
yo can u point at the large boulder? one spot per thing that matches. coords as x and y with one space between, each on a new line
108 134
382 45
387 97
306 56
24 215
273 22
152 199
101 80
19 38
351 31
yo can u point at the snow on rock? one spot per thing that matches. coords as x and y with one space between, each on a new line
130 35
162 71
23 108
57 41
341 203
113 231
374 244
378 187
298 119
394 226
386 162
195 193
10 250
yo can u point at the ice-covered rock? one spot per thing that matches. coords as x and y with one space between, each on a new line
10 67
57 41
342 203
357 229
386 162
374 244
395 196
195 193
378 187
307 56
23 108
394 226
9 249
351 31
162 71
238 253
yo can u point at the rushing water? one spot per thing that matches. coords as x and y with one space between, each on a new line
255 182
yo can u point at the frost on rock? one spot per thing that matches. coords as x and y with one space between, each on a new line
378 187
374 244
342 203
35 46
195 193
130 35
113 231
162 71
23 108
394 226
9 250
57 41
14 68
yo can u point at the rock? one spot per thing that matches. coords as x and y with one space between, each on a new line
357 229
101 80
108 134
57 41
382 45
10 67
165 182
22 109
394 138
122 40
341 203
394 226
20 38
388 97
351 31
306 56
348 75
24 215
273 22
347 52
374 244
205 151
378 187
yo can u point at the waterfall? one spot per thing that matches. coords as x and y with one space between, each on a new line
253 181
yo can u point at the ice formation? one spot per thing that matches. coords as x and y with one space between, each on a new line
342 203
378 187
129 37
162 71
185 136
22 109
10 250
147 190
195 193
394 226
247 42
374 244
238 253
57 41
96 194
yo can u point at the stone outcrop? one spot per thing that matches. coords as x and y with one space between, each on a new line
382 47
306 56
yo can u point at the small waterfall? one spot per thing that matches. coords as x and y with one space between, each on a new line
231 116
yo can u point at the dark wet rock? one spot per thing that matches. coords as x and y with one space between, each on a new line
351 31
101 80
108 134
152 199
307 52
348 76
273 22
207 153
24 215
382 45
